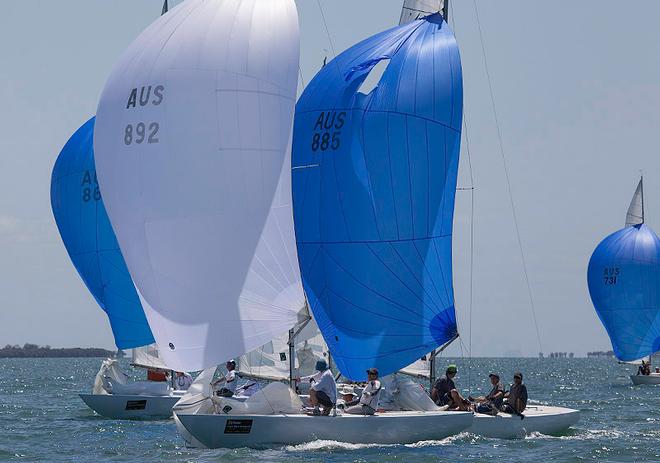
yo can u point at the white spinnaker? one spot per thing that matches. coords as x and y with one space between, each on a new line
416 9
635 214
192 145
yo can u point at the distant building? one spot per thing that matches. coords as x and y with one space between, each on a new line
600 354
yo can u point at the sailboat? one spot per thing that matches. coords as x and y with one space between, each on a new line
374 180
197 187
623 278
88 237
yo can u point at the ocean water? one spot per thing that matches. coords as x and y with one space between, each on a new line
43 419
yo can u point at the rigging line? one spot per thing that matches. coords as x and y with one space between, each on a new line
327 31
508 179
452 19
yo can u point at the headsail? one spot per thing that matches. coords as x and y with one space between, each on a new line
374 179
417 9
90 241
271 361
624 282
192 137
148 357
635 215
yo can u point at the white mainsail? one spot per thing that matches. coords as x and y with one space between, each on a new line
635 215
192 145
416 9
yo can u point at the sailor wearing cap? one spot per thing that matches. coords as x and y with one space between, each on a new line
323 390
493 401
516 397
229 381
368 403
444 391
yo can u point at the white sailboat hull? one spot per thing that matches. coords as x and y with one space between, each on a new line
227 431
124 407
538 419
638 380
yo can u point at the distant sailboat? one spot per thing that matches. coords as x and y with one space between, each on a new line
624 277
90 241
417 9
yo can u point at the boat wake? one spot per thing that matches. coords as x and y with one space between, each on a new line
325 445
588 434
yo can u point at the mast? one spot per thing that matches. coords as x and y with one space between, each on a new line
292 360
165 8
445 11
434 354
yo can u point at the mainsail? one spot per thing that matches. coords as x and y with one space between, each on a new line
417 9
374 179
635 215
624 277
193 134
90 241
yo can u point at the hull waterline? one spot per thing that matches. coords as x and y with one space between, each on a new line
638 380
538 419
131 407
259 431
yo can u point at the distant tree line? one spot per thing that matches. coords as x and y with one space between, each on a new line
35 351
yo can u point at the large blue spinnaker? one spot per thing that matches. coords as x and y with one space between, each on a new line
624 283
374 183
90 241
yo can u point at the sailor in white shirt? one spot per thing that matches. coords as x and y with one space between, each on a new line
229 381
182 381
323 391
368 403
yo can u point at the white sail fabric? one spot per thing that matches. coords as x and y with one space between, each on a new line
192 145
271 361
148 357
416 9
420 369
635 215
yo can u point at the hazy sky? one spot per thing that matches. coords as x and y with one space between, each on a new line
577 91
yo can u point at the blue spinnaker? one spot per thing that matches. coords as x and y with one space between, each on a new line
90 241
624 283
374 182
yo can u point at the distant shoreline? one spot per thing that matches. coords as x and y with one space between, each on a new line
35 351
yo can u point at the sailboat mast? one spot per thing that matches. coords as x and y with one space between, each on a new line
445 11
292 360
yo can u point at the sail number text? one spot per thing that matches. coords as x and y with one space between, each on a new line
143 132
611 275
327 131
90 186
139 132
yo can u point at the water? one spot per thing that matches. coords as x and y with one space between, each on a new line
42 419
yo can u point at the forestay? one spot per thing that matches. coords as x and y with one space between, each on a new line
624 278
193 132
374 180
90 241
417 9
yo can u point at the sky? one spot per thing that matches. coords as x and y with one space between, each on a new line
576 93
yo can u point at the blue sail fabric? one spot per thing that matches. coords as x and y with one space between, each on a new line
90 241
374 182
624 283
